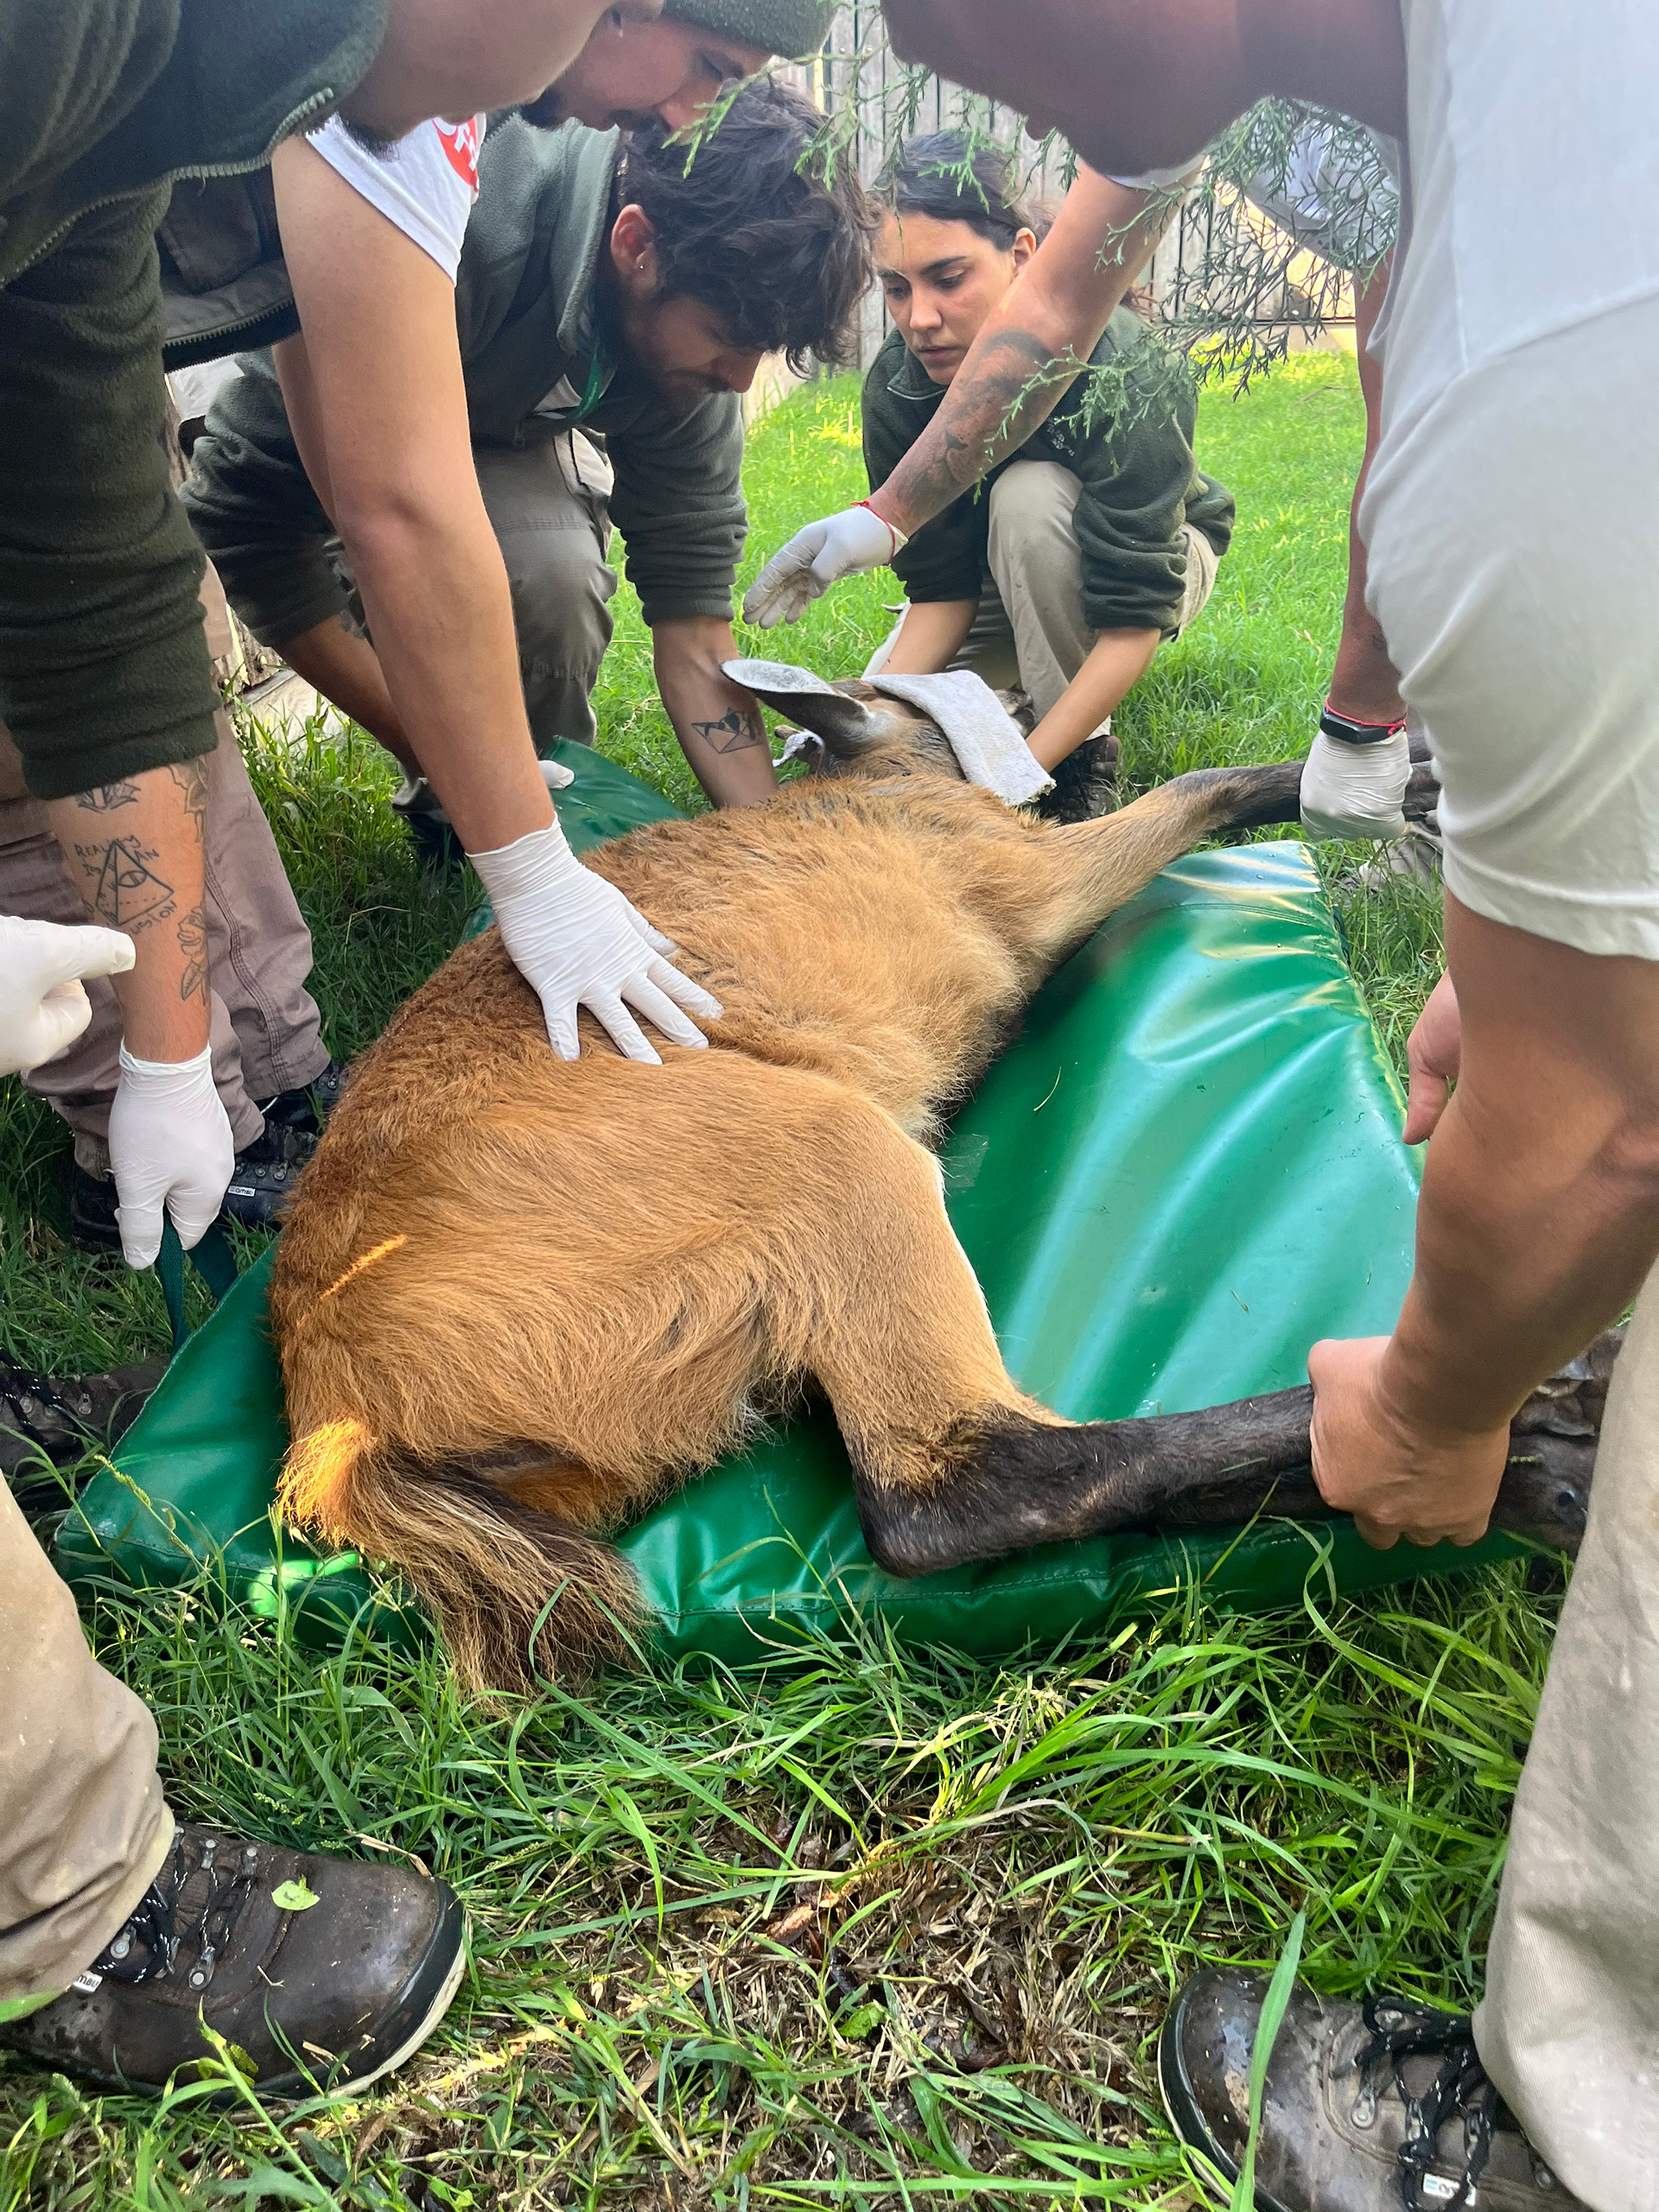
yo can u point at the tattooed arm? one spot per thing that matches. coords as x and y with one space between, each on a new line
719 726
134 850
1028 354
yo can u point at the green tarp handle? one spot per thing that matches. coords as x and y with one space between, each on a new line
213 1260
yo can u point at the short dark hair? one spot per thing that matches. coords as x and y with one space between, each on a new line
957 180
760 219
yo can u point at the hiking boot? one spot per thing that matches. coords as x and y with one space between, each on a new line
261 1186
308 1108
1085 783
418 807
338 1991
57 1421
1367 2107
266 1175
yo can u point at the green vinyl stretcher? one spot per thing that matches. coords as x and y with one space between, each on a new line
1186 1169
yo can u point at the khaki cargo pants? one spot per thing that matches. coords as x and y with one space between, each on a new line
84 1829
265 1027
548 504
1031 633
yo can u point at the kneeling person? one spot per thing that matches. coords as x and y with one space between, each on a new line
604 289
1097 541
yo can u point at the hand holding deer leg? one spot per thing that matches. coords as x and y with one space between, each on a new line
1539 1219
1396 1478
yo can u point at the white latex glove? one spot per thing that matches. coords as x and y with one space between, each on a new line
1356 790
577 942
43 1008
815 558
170 1147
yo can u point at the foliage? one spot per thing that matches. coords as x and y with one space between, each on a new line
1238 289
868 1926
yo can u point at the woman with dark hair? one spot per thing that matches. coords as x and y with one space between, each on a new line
1094 543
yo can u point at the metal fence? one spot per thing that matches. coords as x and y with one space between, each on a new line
858 77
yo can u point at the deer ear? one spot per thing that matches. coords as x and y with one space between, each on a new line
847 726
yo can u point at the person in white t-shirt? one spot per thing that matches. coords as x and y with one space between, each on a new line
374 389
608 293
1513 546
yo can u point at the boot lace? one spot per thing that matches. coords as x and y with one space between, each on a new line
1459 2090
149 1946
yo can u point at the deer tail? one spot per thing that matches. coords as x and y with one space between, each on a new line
518 1595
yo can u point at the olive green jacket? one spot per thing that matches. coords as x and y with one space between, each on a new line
104 106
1139 482
537 362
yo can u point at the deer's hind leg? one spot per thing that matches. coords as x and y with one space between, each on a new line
951 1460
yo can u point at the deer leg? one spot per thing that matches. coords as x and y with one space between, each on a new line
1005 1481
1085 871
1217 1467
951 1460
1080 874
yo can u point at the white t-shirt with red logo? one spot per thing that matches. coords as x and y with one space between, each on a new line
425 184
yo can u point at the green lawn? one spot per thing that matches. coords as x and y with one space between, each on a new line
873 1927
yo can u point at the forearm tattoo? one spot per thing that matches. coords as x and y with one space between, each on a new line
740 731
127 893
193 943
108 797
986 414
190 777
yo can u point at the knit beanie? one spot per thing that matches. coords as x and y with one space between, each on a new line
792 28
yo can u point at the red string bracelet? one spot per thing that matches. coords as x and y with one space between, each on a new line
886 525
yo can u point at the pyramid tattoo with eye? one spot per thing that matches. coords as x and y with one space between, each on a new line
128 887
734 732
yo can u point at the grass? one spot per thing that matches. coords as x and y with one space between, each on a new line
872 1926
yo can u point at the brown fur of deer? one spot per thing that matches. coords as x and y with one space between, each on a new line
518 1299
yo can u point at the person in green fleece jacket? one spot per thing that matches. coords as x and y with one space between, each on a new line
123 1928
105 682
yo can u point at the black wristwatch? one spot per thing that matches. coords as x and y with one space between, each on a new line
1348 731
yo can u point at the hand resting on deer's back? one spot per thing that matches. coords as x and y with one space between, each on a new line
519 1298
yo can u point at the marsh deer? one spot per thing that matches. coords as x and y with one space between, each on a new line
518 1298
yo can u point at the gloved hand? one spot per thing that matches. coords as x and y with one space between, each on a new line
1354 785
43 1008
817 556
170 1147
577 942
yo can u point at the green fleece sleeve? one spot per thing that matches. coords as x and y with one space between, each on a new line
678 502
103 666
1137 481
945 559
253 508
70 71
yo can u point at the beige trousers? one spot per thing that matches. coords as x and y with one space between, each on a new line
1031 633
1569 2030
84 1829
265 1031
